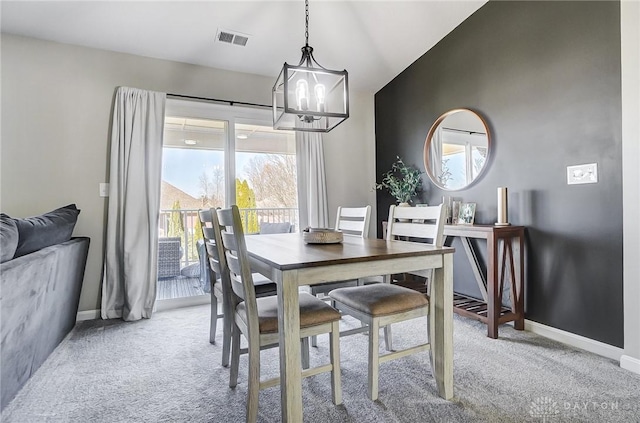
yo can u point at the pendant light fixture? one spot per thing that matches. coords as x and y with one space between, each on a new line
309 97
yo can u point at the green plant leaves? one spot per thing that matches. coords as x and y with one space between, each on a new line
402 181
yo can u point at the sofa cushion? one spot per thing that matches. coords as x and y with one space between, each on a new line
191 271
8 238
38 232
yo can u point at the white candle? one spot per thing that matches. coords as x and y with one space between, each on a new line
502 206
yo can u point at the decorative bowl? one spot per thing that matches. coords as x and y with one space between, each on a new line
321 236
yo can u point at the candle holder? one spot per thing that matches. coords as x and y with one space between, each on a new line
503 207
455 211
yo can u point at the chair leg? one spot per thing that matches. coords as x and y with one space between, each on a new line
304 348
387 338
214 318
254 379
235 356
334 351
314 338
374 358
227 327
387 329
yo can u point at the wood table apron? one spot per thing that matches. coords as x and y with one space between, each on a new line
505 259
285 259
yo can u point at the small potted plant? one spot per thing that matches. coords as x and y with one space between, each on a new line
402 181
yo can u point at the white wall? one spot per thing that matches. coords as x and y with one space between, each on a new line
350 160
56 111
630 32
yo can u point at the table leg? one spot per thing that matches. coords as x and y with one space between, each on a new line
441 327
290 357
519 323
493 302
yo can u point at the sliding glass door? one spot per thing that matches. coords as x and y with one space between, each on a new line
216 156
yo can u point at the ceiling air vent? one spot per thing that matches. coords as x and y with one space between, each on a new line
240 40
232 37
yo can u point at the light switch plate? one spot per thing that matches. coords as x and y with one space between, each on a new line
582 174
104 189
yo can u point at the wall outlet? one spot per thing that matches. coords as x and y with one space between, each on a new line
104 189
582 174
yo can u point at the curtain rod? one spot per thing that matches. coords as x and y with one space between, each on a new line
217 100
463 131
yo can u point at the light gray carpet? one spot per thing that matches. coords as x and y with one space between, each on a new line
165 370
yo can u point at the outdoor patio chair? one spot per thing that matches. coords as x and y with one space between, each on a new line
169 253
276 227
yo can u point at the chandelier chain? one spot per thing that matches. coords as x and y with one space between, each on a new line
306 22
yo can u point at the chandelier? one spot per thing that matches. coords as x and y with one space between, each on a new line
308 97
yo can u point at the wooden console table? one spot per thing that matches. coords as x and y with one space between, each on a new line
505 260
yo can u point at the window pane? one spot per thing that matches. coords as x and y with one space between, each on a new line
193 160
454 166
266 189
193 163
479 158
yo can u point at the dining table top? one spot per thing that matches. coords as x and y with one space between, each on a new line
289 251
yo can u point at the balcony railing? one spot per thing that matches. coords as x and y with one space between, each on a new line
184 223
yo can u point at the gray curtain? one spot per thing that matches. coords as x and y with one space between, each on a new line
312 186
130 263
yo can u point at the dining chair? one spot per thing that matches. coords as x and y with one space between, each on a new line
221 286
257 318
352 221
417 224
382 304
217 294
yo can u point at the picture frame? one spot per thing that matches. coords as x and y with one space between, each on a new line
467 214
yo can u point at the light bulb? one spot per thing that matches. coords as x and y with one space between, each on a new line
320 96
302 94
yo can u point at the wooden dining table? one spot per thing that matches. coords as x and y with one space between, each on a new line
290 263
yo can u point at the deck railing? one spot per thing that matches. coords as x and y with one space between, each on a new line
189 234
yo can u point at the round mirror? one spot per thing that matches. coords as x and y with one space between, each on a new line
457 149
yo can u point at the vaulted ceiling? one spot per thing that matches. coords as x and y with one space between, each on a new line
373 40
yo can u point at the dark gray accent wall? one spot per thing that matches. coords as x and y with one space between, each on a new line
546 76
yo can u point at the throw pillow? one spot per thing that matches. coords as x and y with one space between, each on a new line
8 238
45 230
191 271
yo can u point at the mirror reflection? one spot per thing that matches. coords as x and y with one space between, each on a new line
457 148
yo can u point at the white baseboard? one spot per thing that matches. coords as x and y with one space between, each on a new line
630 363
88 315
574 340
159 306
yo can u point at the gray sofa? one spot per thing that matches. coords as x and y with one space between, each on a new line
39 296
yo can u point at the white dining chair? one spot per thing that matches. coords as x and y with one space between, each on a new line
217 294
221 286
257 318
352 221
382 304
